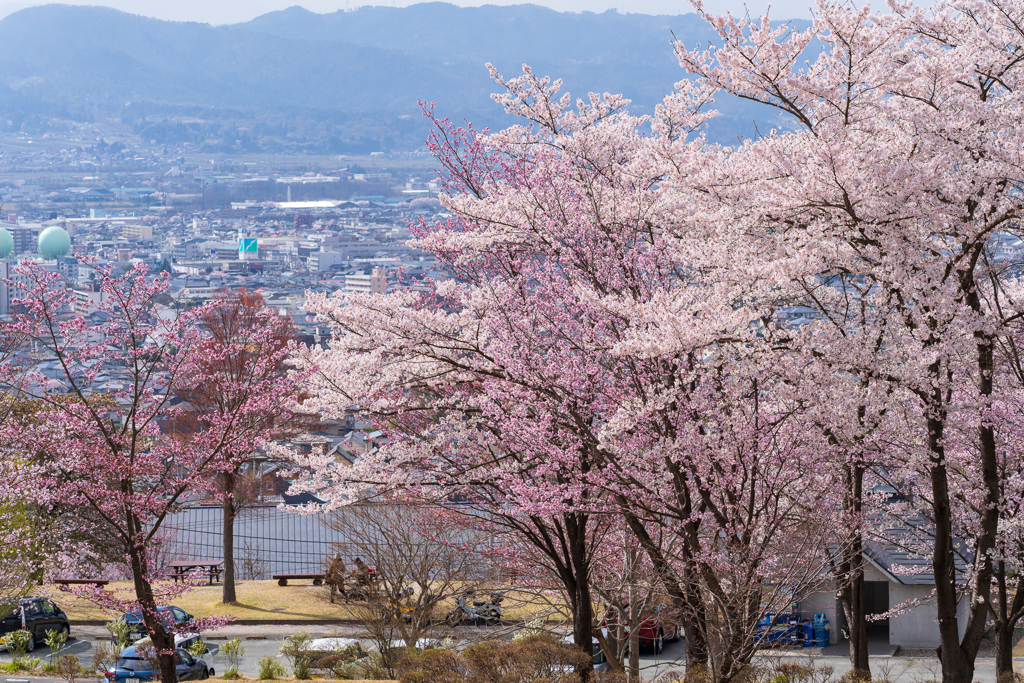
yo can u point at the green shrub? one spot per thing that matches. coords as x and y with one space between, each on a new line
197 648
269 669
23 664
16 643
120 632
231 654
296 649
55 640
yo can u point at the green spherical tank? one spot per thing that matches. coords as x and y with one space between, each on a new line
54 242
6 243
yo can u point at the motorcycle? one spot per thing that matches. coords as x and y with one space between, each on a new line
400 608
487 612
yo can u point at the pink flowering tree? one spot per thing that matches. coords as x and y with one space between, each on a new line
493 390
525 388
898 169
111 428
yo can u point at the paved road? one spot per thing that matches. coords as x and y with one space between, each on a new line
266 642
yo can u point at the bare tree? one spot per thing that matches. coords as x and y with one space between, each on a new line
419 562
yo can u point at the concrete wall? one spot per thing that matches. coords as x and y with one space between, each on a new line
823 600
918 628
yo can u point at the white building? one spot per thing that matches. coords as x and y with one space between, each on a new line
887 585
138 232
321 261
375 282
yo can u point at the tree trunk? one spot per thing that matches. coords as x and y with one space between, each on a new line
1007 615
583 615
1004 652
850 574
957 667
163 642
857 622
958 656
229 537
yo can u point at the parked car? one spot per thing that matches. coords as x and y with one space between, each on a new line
133 667
656 628
323 652
174 618
37 616
600 661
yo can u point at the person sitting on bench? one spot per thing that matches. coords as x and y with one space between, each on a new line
362 572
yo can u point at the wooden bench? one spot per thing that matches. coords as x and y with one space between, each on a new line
64 583
282 579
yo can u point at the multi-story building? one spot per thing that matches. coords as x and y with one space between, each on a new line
186 251
321 261
26 238
137 232
374 282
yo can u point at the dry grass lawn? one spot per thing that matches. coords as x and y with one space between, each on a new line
266 601
246 679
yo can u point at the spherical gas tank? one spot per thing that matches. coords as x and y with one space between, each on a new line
54 242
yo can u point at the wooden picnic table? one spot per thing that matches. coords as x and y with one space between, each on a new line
64 583
182 568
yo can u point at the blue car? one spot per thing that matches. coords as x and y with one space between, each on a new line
132 667
174 619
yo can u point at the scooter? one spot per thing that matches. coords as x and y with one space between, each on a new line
487 612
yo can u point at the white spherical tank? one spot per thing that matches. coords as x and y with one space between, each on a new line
54 242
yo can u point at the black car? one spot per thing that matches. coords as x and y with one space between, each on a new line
174 618
37 616
134 667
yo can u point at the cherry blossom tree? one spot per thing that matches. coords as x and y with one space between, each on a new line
494 391
615 327
245 349
898 164
108 418
524 390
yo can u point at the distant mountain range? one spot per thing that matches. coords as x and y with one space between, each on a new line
372 61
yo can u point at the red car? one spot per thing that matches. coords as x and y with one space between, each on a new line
656 628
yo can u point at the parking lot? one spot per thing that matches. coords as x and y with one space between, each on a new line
267 641
264 641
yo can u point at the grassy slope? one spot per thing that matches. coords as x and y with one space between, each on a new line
263 600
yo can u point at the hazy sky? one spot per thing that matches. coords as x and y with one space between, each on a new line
231 11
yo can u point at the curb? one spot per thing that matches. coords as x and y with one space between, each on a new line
253 622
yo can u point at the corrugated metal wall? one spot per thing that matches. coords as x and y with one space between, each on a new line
267 540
